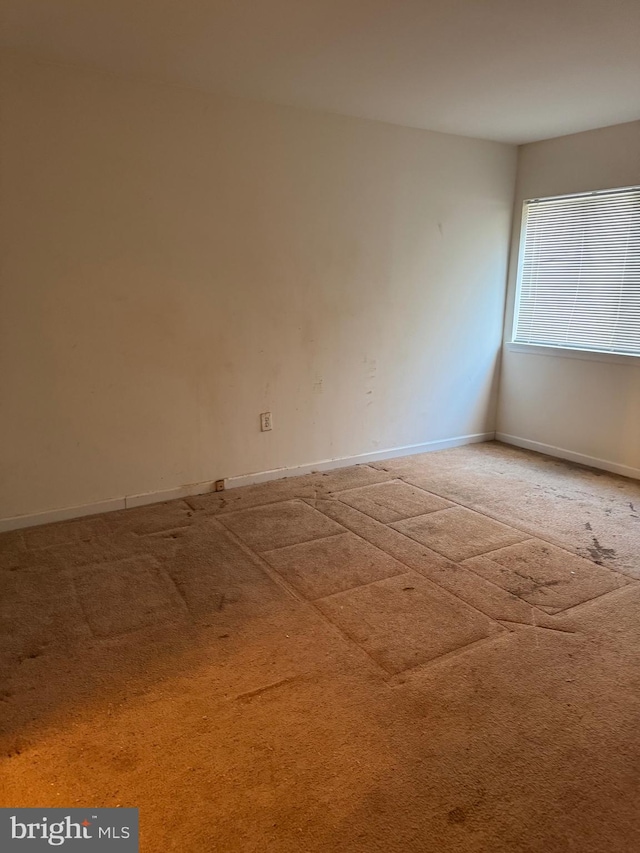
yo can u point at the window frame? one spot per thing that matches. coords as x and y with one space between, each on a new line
547 349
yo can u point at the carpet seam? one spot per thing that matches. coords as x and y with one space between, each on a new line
405 571
538 606
484 554
277 578
568 610
528 531
412 569
448 655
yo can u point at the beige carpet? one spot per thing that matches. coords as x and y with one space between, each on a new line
437 653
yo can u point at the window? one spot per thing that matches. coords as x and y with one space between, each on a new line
579 272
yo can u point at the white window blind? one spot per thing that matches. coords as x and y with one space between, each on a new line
579 272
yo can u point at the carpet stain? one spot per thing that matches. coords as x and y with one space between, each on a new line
250 674
457 815
599 553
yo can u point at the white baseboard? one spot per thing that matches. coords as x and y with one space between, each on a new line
49 516
64 514
570 455
129 501
360 459
170 494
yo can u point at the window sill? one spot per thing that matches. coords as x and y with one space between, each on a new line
581 354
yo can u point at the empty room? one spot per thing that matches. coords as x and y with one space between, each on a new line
320 426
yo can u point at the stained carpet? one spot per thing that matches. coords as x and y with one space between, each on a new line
437 653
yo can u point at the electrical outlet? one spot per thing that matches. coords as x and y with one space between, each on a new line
219 485
265 421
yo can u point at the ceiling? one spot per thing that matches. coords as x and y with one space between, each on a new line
509 70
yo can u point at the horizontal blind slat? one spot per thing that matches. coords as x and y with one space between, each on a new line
579 275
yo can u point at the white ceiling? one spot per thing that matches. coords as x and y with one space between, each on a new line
510 70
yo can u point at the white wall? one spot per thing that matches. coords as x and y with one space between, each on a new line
587 408
176 263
